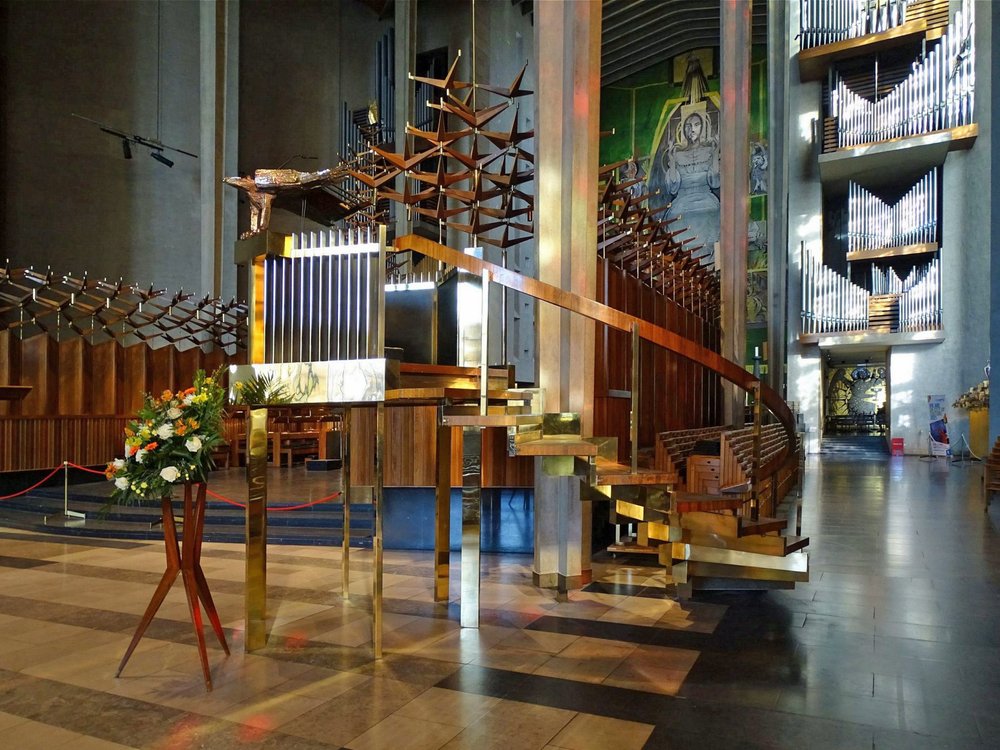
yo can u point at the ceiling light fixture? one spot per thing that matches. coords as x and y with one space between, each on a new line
161 158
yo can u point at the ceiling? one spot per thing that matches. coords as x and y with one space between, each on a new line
636 34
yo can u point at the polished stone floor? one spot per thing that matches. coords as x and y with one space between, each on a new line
892 644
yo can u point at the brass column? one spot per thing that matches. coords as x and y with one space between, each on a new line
472 442
442 513
379 506
255 591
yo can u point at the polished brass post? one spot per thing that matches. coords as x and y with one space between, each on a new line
442 513
345 488
472 441
755 466
256 530
379 505
633 417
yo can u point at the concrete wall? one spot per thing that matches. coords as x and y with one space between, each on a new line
915 371
70 199
954 365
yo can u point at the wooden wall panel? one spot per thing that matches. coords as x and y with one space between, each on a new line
74 376
159 369
40 370
107 381
134 380
674 393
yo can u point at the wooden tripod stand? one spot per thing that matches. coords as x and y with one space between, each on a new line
186 560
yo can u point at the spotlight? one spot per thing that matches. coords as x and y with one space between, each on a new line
126 149
161 158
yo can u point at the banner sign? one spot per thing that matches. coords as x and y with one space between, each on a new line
938 426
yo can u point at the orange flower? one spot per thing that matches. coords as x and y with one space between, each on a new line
193 424
109 471
166 395
179 428
129 433
132 450
151 446
189 391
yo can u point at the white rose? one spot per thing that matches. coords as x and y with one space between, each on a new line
118 463
169 473
141 455
165 430
193 444
173 412
121 483
188 399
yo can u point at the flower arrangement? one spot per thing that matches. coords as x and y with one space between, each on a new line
977 397
171 440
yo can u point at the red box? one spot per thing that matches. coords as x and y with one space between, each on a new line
897 447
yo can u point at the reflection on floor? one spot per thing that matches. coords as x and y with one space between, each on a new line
893 644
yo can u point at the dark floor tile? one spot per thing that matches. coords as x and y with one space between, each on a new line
616 631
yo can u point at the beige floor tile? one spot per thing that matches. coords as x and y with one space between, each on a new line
647 678
404 733
538 640
448 707
34 735
512 659
509 725
8 720
590 732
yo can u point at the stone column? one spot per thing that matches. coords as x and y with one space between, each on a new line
734 192
568 46
219 44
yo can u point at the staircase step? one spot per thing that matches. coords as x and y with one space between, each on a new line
708 562
556 445
762 525
610 472
687 502
777 546
725 525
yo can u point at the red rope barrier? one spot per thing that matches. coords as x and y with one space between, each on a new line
84 468
34 486
275 508
216 495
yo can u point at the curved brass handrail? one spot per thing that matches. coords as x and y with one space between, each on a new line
616 319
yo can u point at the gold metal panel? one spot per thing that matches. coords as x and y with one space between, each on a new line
472 441
255 309
442 515
566 423
558 466
255 592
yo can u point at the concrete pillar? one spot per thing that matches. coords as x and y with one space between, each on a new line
734 189
568 46
219 86
777 191
405 57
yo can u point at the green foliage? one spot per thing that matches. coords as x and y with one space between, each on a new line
261 390
169 442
